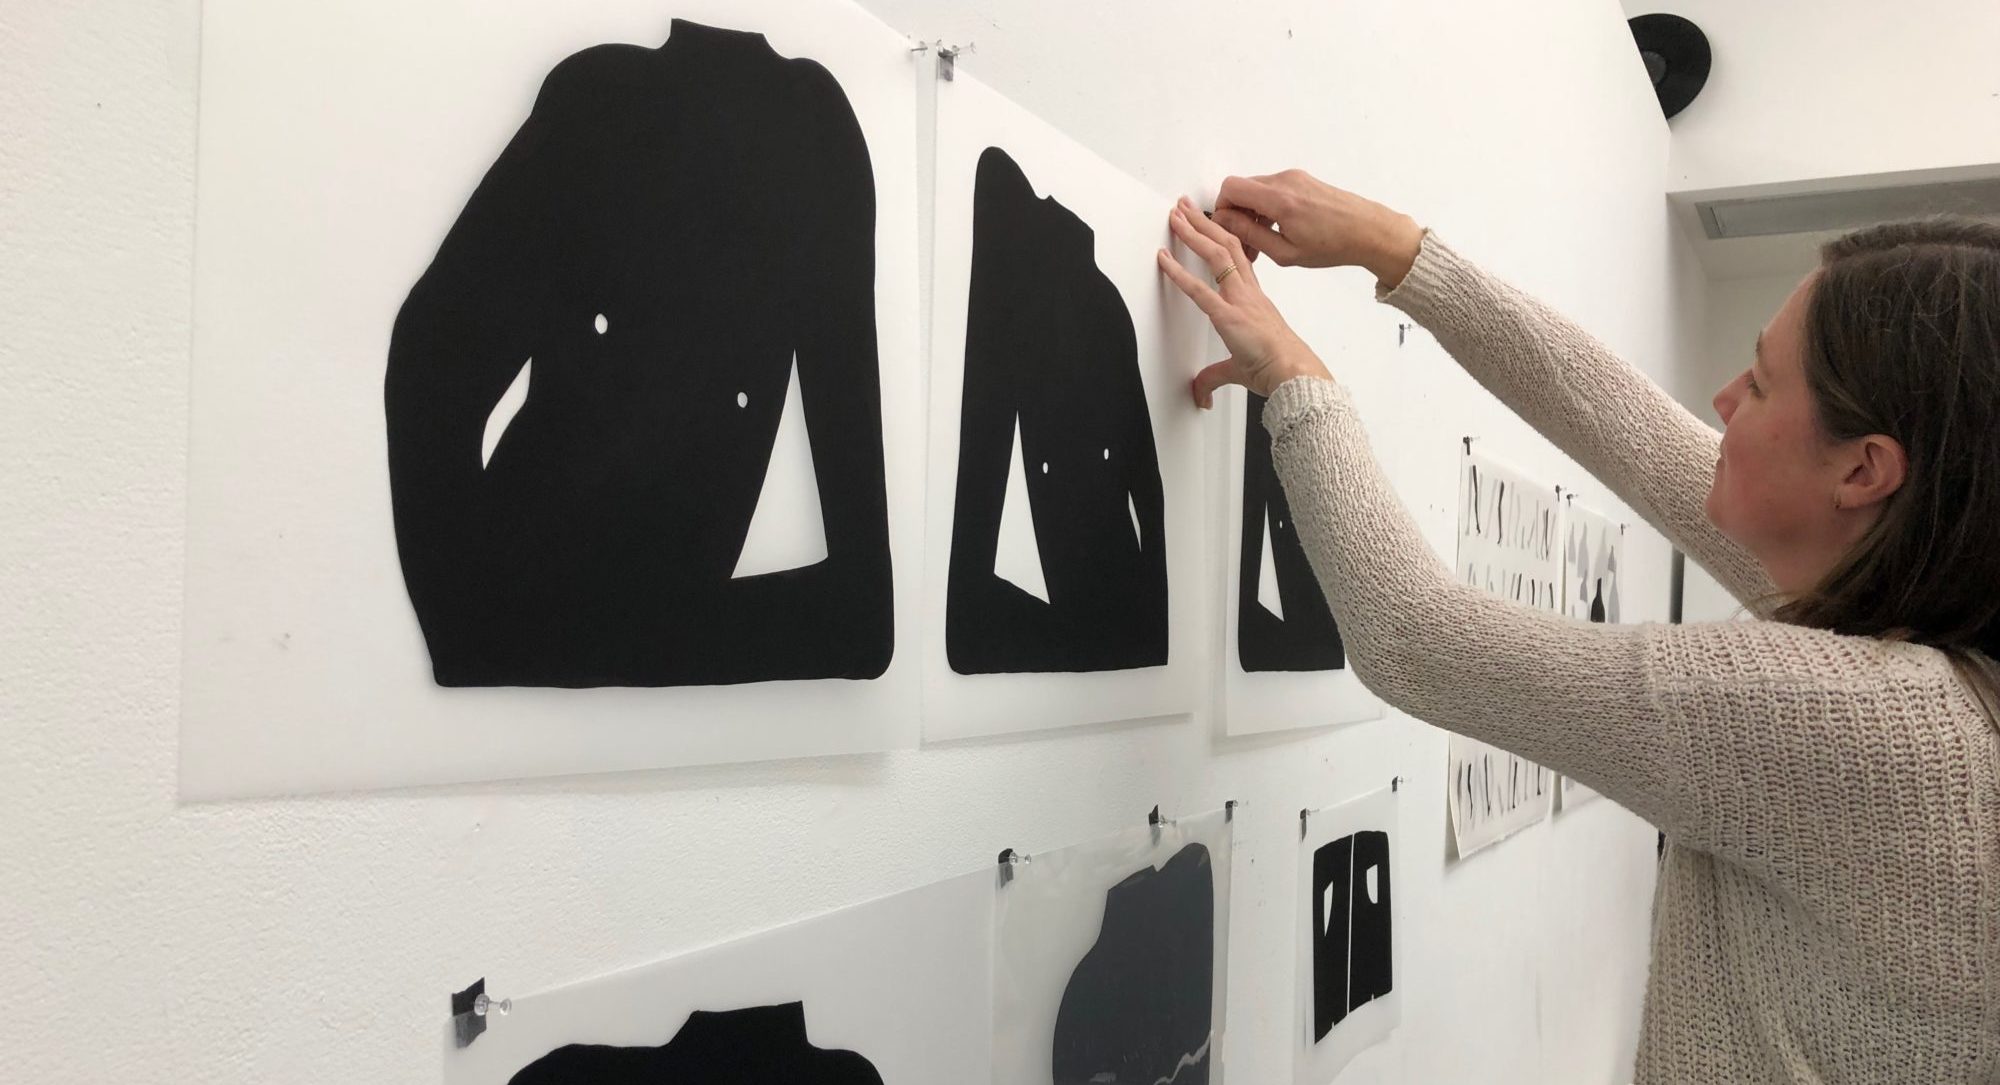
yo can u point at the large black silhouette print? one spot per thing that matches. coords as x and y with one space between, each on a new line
765 1045
1352 947
1055 441
664 283
1139 1005
1282 620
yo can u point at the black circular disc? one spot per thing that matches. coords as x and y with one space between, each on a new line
1676 55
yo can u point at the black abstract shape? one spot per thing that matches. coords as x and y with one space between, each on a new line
667 237
1049 347
765 1045
1140 1003
1306 638
1352 957
1597 613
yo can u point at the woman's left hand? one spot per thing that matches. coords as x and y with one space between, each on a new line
1264 352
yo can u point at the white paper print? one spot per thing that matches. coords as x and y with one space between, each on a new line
1065 542
329 180
1283 665
1492 793
1349 987
901 982
1592 553
1509 544
1111 961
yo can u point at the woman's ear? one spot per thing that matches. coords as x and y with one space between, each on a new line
1876 468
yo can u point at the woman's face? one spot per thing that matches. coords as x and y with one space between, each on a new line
1775 482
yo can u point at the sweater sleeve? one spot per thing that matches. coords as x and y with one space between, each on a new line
1717 733
1602 411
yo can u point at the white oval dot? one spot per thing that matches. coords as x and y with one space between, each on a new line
1045 467
603 325
1107 453
742 399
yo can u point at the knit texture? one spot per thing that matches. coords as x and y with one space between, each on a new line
1828 909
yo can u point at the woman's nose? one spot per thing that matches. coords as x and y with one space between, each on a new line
1725 400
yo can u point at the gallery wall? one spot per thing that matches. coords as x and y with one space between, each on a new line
314 940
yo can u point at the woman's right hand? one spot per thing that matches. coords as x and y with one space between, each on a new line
1297 219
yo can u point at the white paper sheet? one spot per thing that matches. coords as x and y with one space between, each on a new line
331 167
1254 702
1051 915
1316 1062
903 981
1129 222
1509 543
1593 551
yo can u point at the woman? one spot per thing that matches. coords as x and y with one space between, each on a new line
1829 778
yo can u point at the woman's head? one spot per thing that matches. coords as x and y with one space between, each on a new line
1861 462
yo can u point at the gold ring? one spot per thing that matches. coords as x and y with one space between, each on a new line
1224 274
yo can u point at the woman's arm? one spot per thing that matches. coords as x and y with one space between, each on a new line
1766 743
1603 412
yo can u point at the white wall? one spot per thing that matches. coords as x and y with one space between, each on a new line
313 941
1809 89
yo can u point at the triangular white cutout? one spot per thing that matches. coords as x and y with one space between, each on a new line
1326 909
786 530
1267 575
1132 507
1018 558
503 413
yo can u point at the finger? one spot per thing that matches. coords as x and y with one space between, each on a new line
1258 195
1212 252
1257 236
1215 233
1216 376
1202 294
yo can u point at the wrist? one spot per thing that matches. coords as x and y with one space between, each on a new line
1395 250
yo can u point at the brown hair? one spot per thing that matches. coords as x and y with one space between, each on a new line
1903 339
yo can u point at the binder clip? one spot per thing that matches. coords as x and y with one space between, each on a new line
471 1007
1395 784
1305 816
1468 445
1229 810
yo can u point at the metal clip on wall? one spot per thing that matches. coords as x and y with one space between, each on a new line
1009 859
471 1007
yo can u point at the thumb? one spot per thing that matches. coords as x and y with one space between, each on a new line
1224 372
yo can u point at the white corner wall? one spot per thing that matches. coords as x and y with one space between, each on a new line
313 941
1803 90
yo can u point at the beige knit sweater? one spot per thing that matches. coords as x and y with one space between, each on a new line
1829 905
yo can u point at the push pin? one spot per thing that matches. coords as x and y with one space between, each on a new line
1395 783
1468 445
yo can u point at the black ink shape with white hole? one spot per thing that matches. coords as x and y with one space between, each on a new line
1139 1006
1054 418
665 280
1352 946
765 1045
1282 620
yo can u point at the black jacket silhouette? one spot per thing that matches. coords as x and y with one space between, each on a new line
1306 638
1143 998
1049 347
766 1045
667 233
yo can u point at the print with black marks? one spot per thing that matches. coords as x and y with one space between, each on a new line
1140 1005
1300 635
1053 393
764 1045
1352 940
674 255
